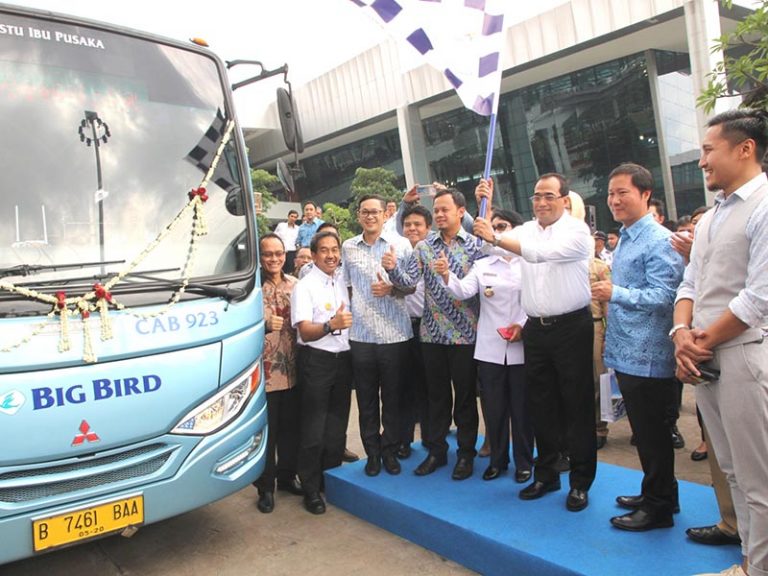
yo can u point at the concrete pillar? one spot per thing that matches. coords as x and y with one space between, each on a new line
413 146
702 26
666 168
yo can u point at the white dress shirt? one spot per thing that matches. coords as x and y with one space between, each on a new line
498 283
316 298
555 266
288 234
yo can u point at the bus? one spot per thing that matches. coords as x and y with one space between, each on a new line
131 314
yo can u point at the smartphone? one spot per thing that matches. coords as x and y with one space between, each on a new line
708 374
426 190
504 332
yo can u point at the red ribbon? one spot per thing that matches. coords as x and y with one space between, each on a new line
198 192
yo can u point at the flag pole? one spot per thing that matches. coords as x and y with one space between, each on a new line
487 169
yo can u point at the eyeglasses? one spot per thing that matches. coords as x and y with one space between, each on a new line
548 198
500 226
279 254
366 213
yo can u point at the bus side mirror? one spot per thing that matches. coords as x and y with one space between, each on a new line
289 121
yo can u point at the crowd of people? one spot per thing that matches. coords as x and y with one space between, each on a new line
528 315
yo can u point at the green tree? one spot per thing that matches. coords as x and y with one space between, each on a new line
342 218
375 181
262 181
747 73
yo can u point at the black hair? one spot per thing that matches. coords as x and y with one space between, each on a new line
271 235
564 187
326 226
456 195
614 231
508 216
742 123
699 210
641 177
319 236
381 199
417 209
310 203
292 212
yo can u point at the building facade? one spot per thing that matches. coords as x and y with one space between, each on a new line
587 85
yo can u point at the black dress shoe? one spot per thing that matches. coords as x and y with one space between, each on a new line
522 476
314 503
697 456
430 464
677 438
404 451
577 500
373 465
266 502
491 473
391 464
538 489
293 486
640 521
711 535
601 441
635 502
463 469
349 456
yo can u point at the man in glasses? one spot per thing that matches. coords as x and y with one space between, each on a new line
557 337
379 336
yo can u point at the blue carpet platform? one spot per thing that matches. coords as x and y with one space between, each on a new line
487 528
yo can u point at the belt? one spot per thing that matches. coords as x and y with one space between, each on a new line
327 354
550 320
597 319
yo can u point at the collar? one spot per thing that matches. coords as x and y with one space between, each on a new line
638 227
359 239
746 190
436 239
322 276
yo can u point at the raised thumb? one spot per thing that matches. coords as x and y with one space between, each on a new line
378 275
341 308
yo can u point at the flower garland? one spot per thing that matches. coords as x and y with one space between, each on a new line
100 298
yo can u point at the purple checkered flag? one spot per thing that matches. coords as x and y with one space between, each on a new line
461 38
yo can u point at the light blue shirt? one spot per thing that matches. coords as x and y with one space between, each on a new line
375 320
306 231
646 273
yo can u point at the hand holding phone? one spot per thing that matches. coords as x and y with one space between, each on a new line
505 333
426 190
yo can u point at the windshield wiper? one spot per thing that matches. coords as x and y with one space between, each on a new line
205 289
29 269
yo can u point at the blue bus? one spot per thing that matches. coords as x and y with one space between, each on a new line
131 315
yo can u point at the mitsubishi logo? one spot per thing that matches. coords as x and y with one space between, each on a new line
85 434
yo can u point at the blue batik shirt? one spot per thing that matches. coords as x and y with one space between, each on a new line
646 273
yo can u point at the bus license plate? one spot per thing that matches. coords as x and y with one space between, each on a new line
87 523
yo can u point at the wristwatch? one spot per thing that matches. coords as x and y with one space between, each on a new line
327 328
677 327
496 239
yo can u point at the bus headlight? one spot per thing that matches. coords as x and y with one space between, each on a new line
220 409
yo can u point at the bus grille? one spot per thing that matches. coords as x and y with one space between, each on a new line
37 483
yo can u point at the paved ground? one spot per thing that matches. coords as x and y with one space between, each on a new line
231 537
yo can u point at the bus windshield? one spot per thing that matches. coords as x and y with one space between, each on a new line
104 137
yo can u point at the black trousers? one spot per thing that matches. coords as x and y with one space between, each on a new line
290 256
282 438
446 364
378 371
503 393
561 395
647 401
413 391
325 397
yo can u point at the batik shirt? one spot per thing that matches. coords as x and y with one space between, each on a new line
446 320
279 347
